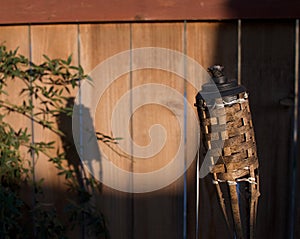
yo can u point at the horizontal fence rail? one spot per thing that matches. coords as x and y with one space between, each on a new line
42 11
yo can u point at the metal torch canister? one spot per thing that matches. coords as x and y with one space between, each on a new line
225 117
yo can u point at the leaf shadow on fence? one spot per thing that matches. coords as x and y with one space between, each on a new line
79 178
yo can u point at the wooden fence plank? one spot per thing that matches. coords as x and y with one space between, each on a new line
55 41
14 37
297 196
210 44
98 43
158 214
268 73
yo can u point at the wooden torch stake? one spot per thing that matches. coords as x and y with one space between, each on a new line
235 210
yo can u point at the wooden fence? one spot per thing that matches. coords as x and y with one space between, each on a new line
261 53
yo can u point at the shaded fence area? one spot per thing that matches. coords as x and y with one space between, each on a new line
262 54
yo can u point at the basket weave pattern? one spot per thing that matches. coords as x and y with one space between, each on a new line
228 135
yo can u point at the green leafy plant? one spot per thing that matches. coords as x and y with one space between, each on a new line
47 101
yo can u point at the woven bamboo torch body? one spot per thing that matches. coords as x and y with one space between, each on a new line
228 137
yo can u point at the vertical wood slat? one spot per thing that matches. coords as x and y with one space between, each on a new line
210 44
296 164
55 41
14 37
268 74
292 211
98 43
158 214
17 37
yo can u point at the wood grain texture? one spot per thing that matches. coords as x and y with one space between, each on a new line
158 214
168 36
297 197
14 37
209 44
55 41
35 11
268 74
98 43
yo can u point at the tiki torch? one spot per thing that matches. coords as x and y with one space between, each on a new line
225 117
